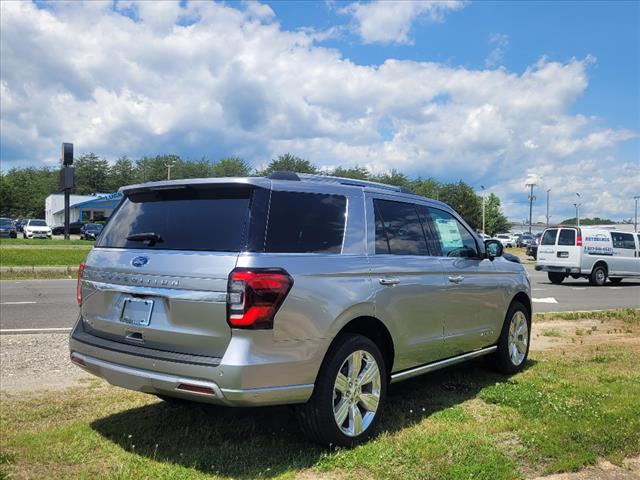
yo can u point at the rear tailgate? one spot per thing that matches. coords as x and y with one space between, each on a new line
158 275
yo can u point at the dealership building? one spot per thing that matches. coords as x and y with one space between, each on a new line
82 208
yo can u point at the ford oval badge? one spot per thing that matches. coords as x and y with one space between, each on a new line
139 261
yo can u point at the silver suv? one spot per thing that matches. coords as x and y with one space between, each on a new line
293 289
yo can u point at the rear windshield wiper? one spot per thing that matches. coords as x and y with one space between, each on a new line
149 237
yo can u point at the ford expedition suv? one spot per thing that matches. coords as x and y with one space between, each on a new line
294 289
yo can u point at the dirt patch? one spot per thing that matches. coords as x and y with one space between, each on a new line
37 362
604 470
568 334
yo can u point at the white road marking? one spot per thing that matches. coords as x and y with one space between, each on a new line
17 303
578 288
6 331
544 300
538 289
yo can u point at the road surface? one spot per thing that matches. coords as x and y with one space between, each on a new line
51 304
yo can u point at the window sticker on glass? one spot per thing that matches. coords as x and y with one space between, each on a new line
449 233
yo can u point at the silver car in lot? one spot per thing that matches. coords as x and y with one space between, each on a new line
293 289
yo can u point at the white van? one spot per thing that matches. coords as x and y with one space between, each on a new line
591 253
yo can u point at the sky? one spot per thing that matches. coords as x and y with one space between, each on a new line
498 94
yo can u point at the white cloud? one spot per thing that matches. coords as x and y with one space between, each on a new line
496 56
385 21
230 81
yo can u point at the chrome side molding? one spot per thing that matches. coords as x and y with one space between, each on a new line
414 372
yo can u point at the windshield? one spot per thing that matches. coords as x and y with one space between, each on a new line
93 226
37 223
209 218
6 222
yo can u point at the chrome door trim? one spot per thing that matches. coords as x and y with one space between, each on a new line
413 372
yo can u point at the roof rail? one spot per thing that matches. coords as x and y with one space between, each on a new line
310 177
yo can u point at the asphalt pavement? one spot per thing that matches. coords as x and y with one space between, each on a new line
51 304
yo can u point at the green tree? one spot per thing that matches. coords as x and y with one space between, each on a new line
91 174
357 172
24 190
429 188
392 178
463 200
121 173
154 169
289 163
231 167
495 221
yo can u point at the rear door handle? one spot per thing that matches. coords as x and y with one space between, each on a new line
389 281
456 278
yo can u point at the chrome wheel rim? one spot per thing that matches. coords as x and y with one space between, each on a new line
600 275
356 393
518 338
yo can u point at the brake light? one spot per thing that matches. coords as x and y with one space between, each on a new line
79 284
254 296
579 240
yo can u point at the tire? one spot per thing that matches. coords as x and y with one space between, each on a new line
556 278
598 276
508 360
616 281
317 418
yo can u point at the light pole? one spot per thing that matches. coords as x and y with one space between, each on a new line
531 200
577 205
169 164
548 190
635 223
483 231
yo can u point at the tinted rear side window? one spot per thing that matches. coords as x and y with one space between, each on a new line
187 218
398 229
305 223
549 237
623 240
567 237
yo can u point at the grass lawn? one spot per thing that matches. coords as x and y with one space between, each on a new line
573 404
27 257
41 242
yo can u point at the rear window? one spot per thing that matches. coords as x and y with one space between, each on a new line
567 237
305 223
549 237
185 218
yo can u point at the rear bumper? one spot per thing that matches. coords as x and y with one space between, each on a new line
246 376
558 269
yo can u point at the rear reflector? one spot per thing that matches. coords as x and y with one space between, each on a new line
79 284
187 387
254 296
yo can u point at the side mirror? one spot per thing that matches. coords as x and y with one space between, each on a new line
493 248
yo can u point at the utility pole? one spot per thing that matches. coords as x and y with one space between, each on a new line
483 189
169 164
577 205
548 190
531 200
635 223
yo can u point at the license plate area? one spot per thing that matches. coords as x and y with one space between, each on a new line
136 311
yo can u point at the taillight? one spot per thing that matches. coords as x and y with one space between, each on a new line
579 240
254 296
79 284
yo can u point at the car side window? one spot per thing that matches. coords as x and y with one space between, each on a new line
398 229
623 240
455 239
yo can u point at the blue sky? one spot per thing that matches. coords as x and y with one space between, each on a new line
493 93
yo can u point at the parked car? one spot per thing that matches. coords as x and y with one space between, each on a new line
36 228
525 239
298 289
505 239
20 224
7 228
90 231
74 228
583 252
